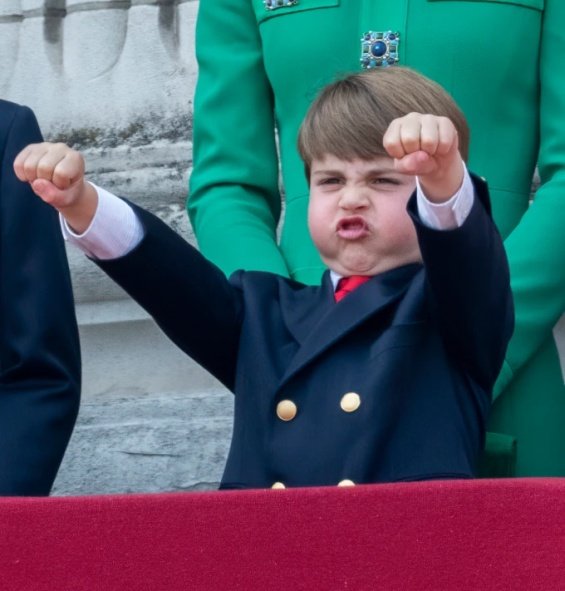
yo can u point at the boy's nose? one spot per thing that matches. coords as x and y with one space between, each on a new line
353 198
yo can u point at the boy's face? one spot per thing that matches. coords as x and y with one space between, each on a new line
357 215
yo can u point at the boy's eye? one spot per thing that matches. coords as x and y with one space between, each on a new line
330 181
382 180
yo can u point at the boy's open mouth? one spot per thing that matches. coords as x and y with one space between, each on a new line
352 228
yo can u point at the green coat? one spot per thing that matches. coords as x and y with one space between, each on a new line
502 60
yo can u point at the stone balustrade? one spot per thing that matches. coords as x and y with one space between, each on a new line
100 68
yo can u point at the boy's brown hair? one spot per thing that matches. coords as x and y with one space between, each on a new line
349 117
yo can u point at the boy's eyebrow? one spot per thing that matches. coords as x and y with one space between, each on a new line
371 171
327 172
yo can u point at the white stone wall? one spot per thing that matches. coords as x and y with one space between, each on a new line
115 78
99 65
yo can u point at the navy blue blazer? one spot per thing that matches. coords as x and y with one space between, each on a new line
421 346
39 347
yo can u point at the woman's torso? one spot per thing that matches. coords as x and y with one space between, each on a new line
484 52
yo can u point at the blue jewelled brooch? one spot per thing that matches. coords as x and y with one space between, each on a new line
274 4
379 49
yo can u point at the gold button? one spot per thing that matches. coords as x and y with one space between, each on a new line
346 482
278 485
286 410
350 402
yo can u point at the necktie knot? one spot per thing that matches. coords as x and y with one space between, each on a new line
347 284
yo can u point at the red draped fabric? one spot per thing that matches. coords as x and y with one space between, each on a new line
452 535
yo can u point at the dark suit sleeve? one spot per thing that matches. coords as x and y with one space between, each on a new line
39 347
469 285
189 297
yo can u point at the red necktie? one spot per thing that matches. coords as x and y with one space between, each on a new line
347 284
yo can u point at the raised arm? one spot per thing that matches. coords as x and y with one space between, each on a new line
234 202
39 348
190 298
466 266
468 278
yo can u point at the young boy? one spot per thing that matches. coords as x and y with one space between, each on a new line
393 381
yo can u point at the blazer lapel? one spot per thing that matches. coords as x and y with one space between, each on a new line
304 308
318 322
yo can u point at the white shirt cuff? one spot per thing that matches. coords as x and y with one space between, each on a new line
450 214
115 230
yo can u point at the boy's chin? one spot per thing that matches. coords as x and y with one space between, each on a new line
348 268
371 267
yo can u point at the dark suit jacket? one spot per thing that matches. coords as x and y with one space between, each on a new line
422 346
39 348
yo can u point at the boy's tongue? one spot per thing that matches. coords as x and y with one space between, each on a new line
352 228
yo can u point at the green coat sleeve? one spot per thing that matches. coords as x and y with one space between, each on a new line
234 203
536 248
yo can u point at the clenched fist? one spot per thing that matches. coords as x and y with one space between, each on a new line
56 174
427 146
